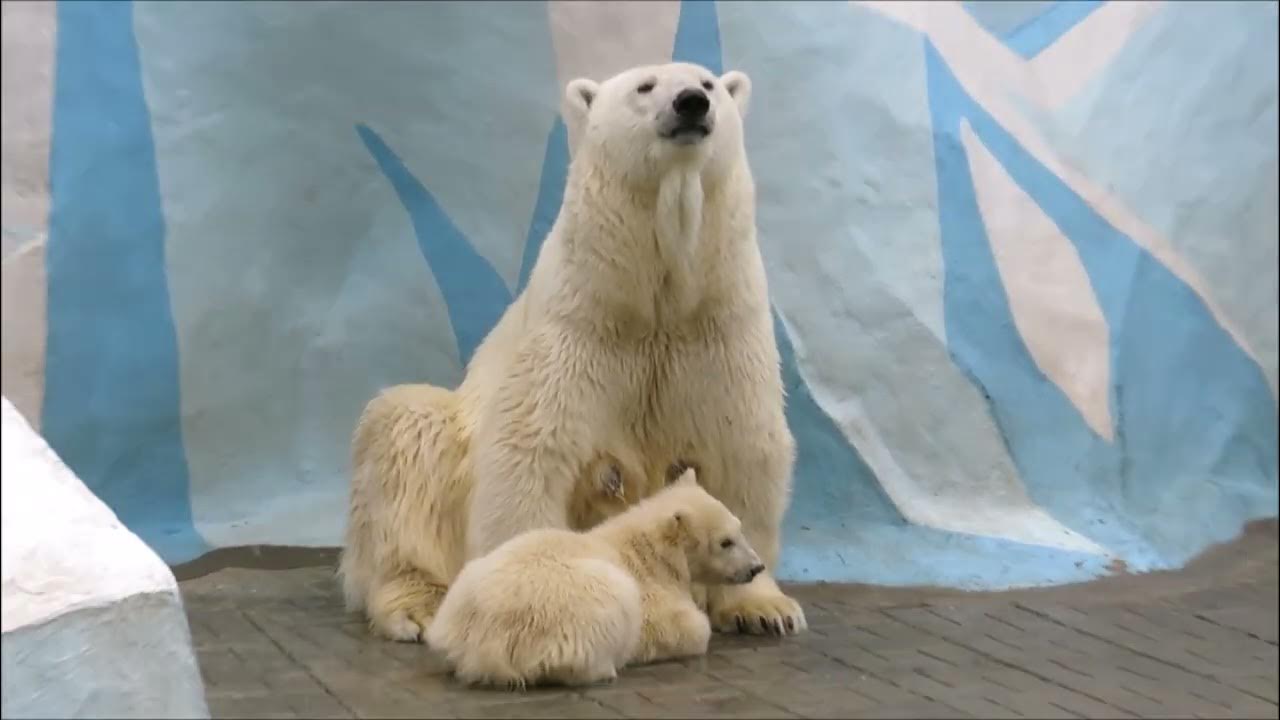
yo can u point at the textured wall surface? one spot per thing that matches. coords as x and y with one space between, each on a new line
1022 255
93 623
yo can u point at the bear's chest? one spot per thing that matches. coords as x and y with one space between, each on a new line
691 390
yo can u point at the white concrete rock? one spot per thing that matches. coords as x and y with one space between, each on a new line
92 620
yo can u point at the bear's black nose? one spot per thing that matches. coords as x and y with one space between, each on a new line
756 570
691 104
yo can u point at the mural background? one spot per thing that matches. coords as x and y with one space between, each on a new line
1022 255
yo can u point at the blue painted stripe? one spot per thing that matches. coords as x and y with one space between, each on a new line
698 36
1195 453
1001 17
474 293
1043 30
555 173
112 408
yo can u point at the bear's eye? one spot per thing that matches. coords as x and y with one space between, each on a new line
645 88
706 85
726 543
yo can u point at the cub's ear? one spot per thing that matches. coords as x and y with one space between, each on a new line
681 472
581 93
739 87
677 526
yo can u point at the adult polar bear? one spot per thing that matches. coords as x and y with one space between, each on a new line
648 311
646 317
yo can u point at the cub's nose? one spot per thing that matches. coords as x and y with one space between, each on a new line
691 104
756 570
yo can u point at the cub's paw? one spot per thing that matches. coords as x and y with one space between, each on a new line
758 612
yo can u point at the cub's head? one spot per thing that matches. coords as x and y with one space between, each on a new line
718 552
646 119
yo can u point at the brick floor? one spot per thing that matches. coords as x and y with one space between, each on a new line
1200 642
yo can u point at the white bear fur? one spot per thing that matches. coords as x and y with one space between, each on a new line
406 532
553 606
645 325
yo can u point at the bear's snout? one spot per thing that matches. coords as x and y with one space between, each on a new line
691 104
746 575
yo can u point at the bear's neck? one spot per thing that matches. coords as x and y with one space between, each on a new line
647 554
654 253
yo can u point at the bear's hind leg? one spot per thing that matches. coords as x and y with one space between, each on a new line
401 607
673 629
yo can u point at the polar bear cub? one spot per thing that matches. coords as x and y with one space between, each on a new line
555 606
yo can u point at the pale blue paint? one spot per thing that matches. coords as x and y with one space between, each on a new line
1003 17
1195 450
834 489
555 172
911 555
111 402
1186 139
474 294
473 291
298 285
1041 31
1029 27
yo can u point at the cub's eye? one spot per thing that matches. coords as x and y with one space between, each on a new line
706 85
726 543
645 88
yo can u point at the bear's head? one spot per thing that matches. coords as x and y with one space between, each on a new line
717 551
645 120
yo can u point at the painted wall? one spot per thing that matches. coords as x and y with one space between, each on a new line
1022 255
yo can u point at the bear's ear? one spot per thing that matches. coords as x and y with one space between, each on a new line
676 525
688 477
581 93
739 87
677 471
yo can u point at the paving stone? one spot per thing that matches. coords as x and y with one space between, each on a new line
570 706
289 650
627 703
913 711
980 707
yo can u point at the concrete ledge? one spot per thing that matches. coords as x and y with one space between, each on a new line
92 621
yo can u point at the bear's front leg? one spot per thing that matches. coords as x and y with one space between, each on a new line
757 608
755 484
532 439
402 606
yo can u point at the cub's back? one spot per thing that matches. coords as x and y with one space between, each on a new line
535 604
